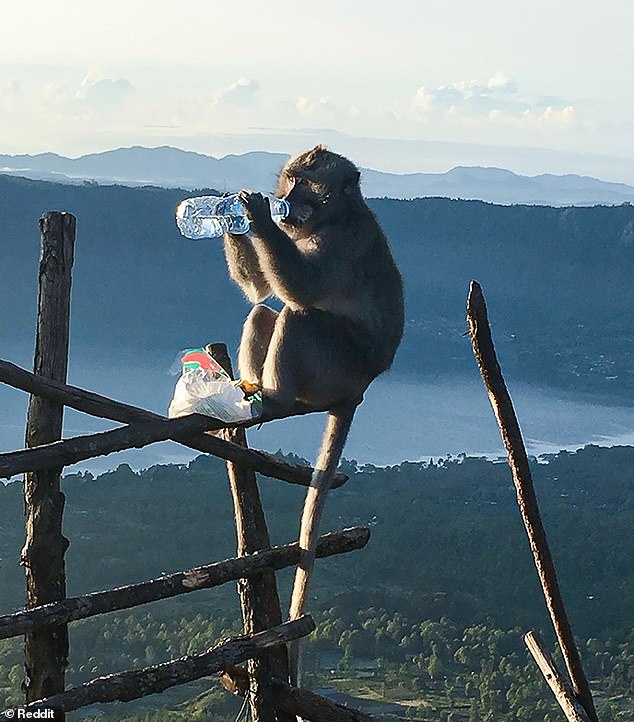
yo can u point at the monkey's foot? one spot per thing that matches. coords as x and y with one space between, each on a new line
250 389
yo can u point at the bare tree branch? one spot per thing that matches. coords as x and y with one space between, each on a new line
125 686
104 407
512 436
171 585
563 694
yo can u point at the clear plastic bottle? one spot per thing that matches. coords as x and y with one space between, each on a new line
212 216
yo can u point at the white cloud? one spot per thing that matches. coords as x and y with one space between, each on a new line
240 93
423 100
495 99
92 97
105 93
500 83
478 97
322 106
302 105
549 117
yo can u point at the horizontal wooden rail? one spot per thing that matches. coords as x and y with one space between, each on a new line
295 701
106 408
125 686
171 585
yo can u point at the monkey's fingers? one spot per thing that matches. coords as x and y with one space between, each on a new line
256 205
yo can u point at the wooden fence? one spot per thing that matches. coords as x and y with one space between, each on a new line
44 621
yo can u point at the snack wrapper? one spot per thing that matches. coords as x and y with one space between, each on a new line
204 387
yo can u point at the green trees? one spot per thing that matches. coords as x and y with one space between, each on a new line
431 612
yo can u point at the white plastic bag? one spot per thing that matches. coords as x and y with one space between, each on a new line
204 387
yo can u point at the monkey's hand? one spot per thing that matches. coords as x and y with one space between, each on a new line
257 208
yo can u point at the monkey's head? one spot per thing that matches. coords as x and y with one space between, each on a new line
322 187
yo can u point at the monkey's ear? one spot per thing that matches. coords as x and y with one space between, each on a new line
352 182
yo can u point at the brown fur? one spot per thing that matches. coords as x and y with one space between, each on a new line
330 264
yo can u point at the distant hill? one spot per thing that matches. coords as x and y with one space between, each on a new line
165 166
497 185
174 168
558 281
461 551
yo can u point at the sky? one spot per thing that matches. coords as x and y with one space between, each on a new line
218 77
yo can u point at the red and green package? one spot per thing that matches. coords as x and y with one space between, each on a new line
195 358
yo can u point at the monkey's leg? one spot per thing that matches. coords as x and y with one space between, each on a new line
285 361
312 358
256 338
333 441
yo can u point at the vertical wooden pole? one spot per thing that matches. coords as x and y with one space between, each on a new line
484 352
258 595
46 650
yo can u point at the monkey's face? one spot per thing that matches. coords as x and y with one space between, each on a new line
318 185
305 198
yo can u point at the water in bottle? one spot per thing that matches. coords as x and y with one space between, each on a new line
212 216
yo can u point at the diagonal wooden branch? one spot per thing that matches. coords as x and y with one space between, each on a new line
104 407
79 448
500 399
125 686
563 694
295 701
171 585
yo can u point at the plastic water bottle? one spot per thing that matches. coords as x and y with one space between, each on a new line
212 216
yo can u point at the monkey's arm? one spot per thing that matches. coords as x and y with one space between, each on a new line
291 273
244 267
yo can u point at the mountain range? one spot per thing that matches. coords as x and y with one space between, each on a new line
174 168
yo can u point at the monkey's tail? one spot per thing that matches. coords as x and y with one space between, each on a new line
333 441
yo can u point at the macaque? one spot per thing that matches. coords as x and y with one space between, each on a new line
330 264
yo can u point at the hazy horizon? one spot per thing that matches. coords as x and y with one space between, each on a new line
402 157
412 87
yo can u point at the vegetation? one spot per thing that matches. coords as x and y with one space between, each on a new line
425 623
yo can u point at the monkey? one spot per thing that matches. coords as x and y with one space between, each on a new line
331 266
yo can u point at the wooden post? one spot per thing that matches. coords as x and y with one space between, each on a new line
502 406
258 595
46 650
